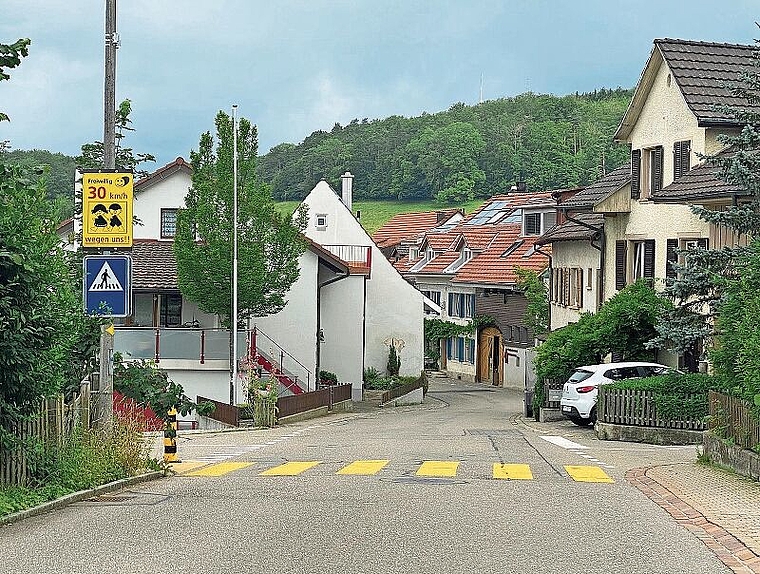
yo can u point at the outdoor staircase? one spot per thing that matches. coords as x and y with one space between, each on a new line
289 382
281 377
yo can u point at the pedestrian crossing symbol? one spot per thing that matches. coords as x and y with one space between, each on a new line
106 280
108 285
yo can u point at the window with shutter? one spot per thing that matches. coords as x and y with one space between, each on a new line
621 253
655 171
681 158
635 173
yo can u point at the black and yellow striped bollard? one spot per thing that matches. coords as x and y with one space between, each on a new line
170 437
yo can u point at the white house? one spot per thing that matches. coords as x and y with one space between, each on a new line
353 318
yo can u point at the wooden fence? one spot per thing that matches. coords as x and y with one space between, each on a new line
733 418
53 422
286 406
223 412
637 408
397 392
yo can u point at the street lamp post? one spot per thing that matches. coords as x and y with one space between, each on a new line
234 318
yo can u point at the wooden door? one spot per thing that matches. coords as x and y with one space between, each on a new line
489 356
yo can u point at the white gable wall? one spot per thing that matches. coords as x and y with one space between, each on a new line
342 323
294 328
168 193
665 119
394 309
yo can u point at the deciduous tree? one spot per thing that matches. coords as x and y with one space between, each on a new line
269 244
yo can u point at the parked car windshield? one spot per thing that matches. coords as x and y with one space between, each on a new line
579 375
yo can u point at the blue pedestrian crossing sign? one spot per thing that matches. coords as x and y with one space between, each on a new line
108 285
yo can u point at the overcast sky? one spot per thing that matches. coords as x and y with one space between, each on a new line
295 66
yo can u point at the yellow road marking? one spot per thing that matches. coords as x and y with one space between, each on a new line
219 469
365 467
512 471
438 468
290 468
186 466
588 474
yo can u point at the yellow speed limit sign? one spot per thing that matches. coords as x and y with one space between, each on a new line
107 209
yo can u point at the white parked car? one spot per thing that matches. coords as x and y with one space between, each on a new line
579 394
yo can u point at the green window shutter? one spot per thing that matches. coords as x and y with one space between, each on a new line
621 256
635 173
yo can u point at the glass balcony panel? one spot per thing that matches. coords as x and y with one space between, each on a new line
135 343
180 344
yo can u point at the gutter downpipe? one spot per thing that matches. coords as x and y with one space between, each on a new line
602 247
549 257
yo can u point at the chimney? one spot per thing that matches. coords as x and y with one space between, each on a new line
347 189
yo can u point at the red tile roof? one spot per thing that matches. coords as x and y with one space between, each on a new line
496 265
409 225
497 247
162 173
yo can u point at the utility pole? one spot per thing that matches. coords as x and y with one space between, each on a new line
109 92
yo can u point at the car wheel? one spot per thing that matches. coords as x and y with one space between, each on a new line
592 416
581 422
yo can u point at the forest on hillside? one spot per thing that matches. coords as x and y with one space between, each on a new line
463 153
56 169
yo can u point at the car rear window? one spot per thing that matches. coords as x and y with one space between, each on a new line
579 375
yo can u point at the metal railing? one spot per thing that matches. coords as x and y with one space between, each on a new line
292 368
158 343
356 254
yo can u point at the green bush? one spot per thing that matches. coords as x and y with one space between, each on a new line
86 459
387 383
623 325
328 378
677 396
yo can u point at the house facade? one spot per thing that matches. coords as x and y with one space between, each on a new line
377 307
633 225
467 269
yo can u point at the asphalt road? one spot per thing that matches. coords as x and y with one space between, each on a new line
394 521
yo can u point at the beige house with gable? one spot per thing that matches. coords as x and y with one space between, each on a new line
674 119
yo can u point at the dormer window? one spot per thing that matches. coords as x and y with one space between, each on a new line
536 223
464 257
532 224
414 253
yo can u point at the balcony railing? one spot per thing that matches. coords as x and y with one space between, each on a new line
167 343
176 343
355 255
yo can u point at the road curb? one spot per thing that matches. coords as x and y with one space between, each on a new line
79 496
729 549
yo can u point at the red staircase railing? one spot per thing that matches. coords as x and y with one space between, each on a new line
287 380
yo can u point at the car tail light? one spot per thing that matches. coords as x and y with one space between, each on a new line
585 389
